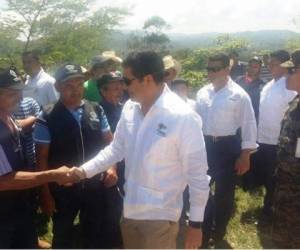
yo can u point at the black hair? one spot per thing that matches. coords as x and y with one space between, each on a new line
281 55
145 63
255 60
224 59
33 54
296 58
180 81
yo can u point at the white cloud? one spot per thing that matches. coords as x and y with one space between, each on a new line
194 16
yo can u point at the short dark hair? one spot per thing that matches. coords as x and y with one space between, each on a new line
33 54
296 58
281 55
180 81
221 57
255 60
145 63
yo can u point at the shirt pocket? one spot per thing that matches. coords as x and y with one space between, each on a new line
227 110
150 197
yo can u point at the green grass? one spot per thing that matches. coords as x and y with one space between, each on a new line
243 232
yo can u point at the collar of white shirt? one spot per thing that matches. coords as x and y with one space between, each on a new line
164 101
34 80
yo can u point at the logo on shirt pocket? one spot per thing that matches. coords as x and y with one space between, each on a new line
161 130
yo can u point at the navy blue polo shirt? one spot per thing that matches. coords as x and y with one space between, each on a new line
42 134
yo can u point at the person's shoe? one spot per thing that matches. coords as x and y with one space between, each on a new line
42 244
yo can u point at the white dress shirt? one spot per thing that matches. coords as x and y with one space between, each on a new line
274 100
225 111
41 88
164 151
191 103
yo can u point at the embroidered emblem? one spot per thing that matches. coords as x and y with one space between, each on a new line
161 129
71 68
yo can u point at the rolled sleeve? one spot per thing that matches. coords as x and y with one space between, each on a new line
194 160
248 124
41 133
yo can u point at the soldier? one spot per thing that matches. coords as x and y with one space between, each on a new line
286 226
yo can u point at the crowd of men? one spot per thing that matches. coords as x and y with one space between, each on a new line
130 155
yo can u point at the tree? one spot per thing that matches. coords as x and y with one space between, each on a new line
155 38
194 62
62 30
152 37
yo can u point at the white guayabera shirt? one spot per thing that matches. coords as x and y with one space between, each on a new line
164 151
225 111
274 101
41 88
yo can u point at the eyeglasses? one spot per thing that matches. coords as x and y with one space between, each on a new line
128 81
214 69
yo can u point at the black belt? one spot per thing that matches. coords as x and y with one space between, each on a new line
215 139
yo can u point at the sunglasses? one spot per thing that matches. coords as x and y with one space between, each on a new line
128 81
214 69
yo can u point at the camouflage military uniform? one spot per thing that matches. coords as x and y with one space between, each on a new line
286 224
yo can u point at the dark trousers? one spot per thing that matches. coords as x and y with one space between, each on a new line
265 160
19 231
96 206
221 155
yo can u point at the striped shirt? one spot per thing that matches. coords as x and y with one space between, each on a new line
27 107
265 74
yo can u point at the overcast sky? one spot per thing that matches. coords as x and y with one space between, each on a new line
196 16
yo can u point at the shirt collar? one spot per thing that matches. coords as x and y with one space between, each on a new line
226 86
161 100
37 76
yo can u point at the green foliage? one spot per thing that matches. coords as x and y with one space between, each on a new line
62 30
194 62
155 24
153 37
293 44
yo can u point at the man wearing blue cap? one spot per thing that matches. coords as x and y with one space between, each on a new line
17 226
71 132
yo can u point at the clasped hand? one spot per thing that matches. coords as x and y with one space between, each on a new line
67 176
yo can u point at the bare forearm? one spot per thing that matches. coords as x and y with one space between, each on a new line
27 123
24 180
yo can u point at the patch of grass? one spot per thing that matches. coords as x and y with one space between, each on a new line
244 230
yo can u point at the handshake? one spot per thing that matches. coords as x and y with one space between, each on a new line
67 176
